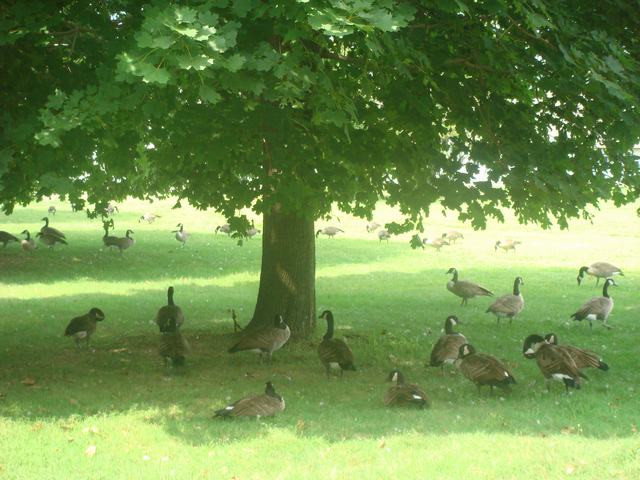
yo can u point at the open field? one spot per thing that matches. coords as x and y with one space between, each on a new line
56 402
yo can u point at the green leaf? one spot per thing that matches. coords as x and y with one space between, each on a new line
199 62
209 94
242 7
185 14
235 62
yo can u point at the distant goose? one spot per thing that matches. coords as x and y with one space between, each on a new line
123 243
506 245
264 405
252 232
28 243
108 240
598 308
383 235
170 313
404 394
149 217
181 235
50 231
372 226
508 306
453 236
582 358
334 352
226 228
111 208
264 341
82 327
447 348
50 240
465 289
173 346
599 270
52 210
436 243
6 237
554 362
329 231
483 369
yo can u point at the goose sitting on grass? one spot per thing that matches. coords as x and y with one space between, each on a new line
265 405
265 340
404 394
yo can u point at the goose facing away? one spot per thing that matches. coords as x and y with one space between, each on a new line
404 394
264 405
82 327
169 314
6 237
508 306
384 235
598 308
483 369
334 352
329 231
149 217
447 348
181 235
598 270
554 362
50 231
264 341
125 242
582 358
173 346
28 243
465 289
506 245
50 240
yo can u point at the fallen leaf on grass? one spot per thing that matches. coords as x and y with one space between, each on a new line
29 382
569 469
90 451
73 401
118 350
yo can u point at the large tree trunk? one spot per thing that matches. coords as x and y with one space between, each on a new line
288 274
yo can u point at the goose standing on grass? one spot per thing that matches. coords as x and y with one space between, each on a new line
181 235
173 346
125 242
264 405
447 348
265 340
149 217
50 231
506 245
329 231
334 352
582 358
599 270
465 289
82 327
453 236
483 369
404 394
554 362
436 243
372 226
383 235
508 306
28 243
108 240
6 237
598 308
50 240
226 228
52 211
169 313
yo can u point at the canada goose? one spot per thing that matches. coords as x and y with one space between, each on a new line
582 358
6 237
252 232
181 235
334 352
84 326
508 306
52 210
266 340
436 243
110 209
508 244
28 243
554 362
447 348
329 231
483 369
226 228
372 226
453 236
149 217
50 240
599 270
598 308
465 289
47 230
108 240
169 313
173 346
264 405
404 394
125 242
383 235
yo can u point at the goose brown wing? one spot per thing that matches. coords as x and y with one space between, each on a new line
483 369
599 306
446 348
405 394
173 345
166 313
471 289
263 405
582 358
335 350
507 304
552 359
82 323
265 339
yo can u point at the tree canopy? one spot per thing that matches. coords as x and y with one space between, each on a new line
527 104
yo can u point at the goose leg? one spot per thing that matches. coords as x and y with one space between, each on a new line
462 302
597 281
479 390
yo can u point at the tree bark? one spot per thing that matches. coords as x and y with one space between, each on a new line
288 273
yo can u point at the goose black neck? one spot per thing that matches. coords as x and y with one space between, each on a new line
605 289
455 276
582 271
28 236
170 296
329 334
516 287
46 221
448 327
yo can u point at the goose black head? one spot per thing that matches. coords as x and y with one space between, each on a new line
466 350
497 245
451 270
96 314
24 232
396 377
551 338
581 273
129 232
531 345
269 390
170 296
451 322
279 322
326 314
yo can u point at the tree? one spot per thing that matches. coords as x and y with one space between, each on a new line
292 107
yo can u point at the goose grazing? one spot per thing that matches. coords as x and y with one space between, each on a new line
599 270
453 236
404 394
334 352
506 245
125 242
264 341
598 308
436 243
181 235
465 289
149 217
52 211
264 405
447 348
582 358
483 369
226 228
50 240
173 346
372 226
169 314
108 240
84 326
6 237
329 231
28 243
50 231
554 362
508 306
383 235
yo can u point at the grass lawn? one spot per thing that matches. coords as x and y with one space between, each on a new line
111 412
